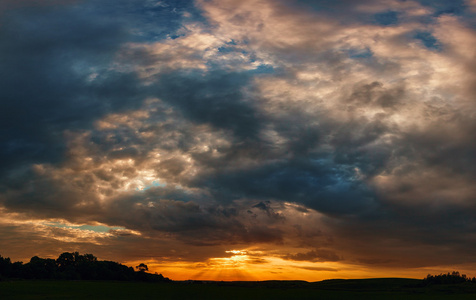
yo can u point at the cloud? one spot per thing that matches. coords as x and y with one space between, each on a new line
217 100
341 128
472 4
56 79
319 269
314 255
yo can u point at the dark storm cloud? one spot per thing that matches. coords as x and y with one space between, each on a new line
316 183
352 142
48 54
57 69
410 237
456 154
37 194
206 224
216 99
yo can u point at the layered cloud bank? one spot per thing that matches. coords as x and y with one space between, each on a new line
319 136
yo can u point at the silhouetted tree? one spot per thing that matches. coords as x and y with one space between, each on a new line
65 260
17 270
5 266
142 267
41 268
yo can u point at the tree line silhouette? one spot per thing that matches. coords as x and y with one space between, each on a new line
74 266
449 278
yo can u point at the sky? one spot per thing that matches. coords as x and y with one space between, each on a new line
241 139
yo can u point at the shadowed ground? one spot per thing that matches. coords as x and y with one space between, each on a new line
390 288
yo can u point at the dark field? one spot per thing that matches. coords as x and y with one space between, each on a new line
332 289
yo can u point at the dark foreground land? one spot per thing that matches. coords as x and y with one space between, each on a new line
387 288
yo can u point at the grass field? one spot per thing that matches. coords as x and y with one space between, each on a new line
333 289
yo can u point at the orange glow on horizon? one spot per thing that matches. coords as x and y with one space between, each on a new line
242 265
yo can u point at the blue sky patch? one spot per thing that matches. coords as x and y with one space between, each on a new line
263 69
428 40
386 18
154 183
359 53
